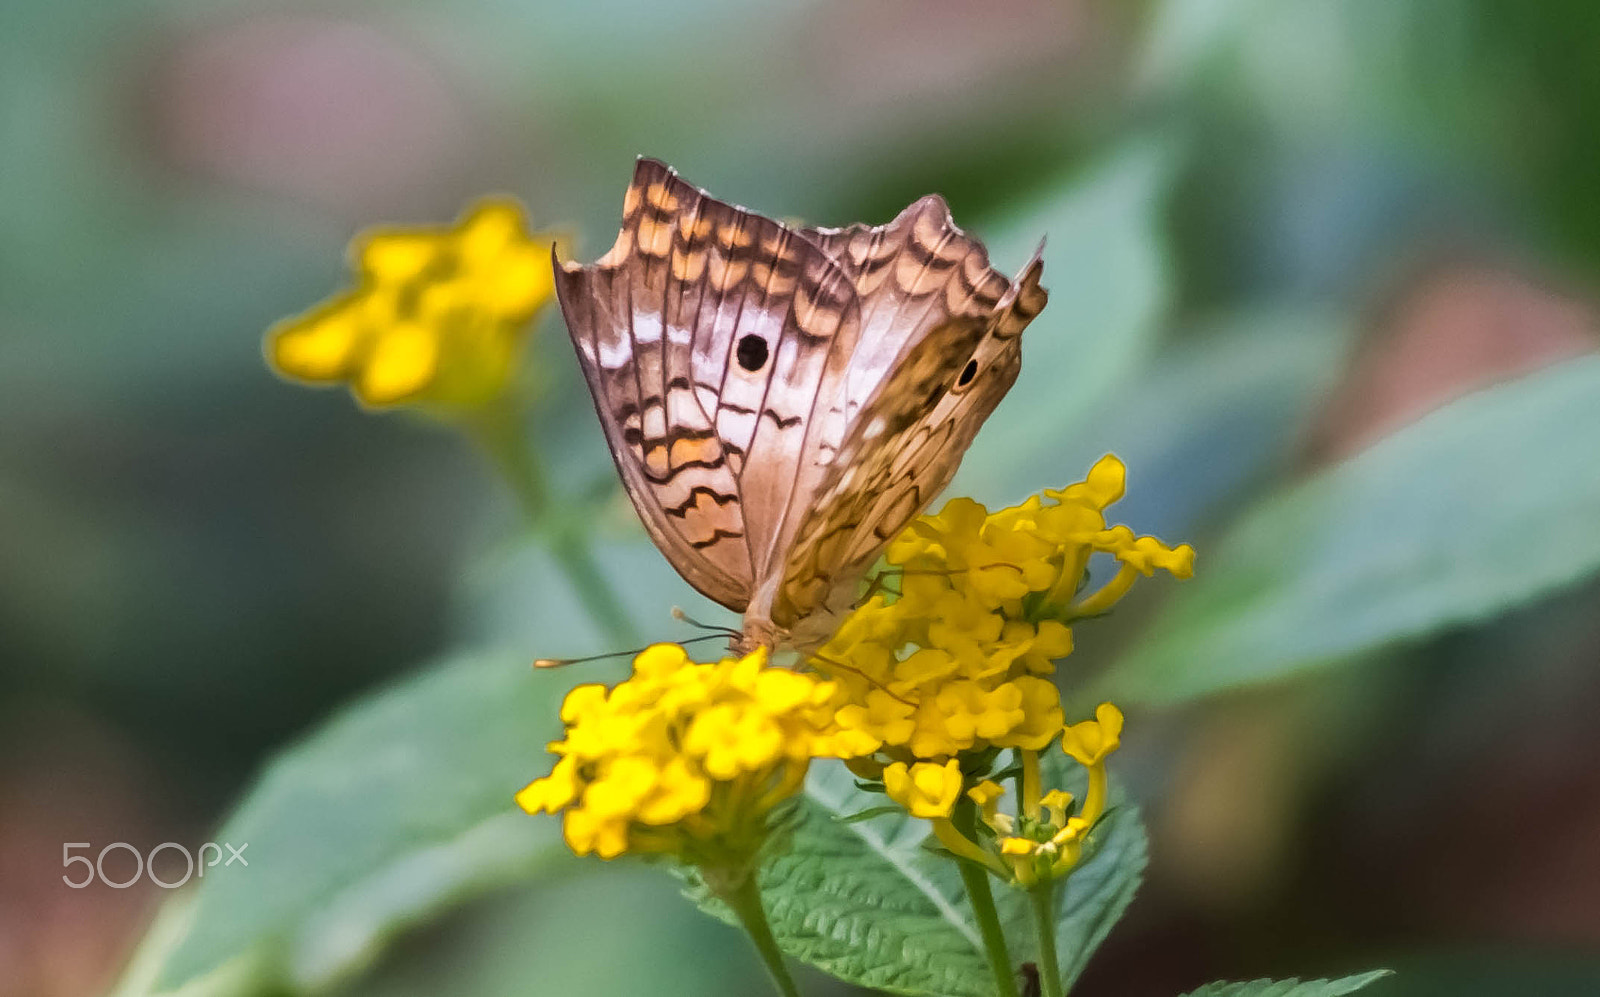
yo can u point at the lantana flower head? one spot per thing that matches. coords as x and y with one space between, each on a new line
683 757
438 317
955 658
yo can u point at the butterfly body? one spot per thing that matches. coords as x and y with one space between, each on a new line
781 401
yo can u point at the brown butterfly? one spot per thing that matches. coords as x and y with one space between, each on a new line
781 401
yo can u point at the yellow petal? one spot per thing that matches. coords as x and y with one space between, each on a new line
985 793
319 347
1018 847
396 256
491 226
402 364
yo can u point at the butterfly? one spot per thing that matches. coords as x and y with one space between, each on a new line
780 401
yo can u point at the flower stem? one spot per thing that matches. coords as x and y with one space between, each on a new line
745 899
1094 798
976 880
1044 919
994 941
500 431
1109 593
958 844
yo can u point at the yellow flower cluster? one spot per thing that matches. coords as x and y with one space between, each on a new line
1044 840
957 661
439 315
682 757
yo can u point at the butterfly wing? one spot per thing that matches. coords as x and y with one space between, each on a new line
924 411
707 334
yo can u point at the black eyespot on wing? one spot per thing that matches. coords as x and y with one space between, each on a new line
968 372
751 352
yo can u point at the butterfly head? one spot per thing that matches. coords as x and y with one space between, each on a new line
758 633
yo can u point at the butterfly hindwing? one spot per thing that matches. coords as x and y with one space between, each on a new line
906 449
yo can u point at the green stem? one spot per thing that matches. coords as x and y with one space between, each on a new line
499 430
745 899
994 941
976 880
1044 919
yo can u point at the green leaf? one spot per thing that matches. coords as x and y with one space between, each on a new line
1188 37
1091 901
1290 988
402 804
248 973
870 904
617 929
1485 503
868 814
390 810
1464 970
1214 413
865 903
1108 283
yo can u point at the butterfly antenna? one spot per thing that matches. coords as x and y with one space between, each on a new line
563 662
679 615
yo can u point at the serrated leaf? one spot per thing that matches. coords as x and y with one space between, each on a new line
874 904
866 903
1091 901
1290 988
1486 503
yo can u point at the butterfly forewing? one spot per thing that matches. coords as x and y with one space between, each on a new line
707 334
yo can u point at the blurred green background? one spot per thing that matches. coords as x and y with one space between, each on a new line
1279 232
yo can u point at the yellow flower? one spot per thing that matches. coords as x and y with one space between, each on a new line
978 606
926 789
1055 803
1018 847
947 667
1088 743
683 757
880 718
732 739
438 316
986 795
1042 844
1041 715
972 712
1091 741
